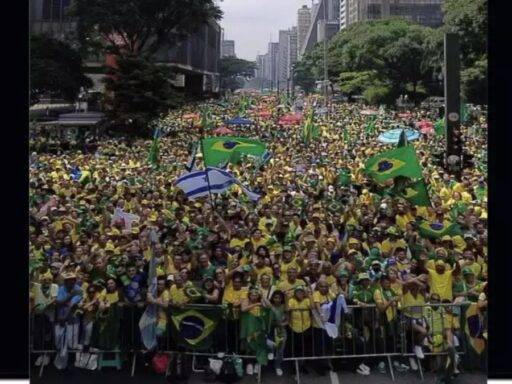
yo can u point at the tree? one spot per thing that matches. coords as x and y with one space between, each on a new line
55 68
231 69
303 76
355 83
137 92
135 28
474 82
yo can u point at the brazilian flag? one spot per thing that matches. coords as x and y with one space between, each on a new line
438 230
476 335
395 162
218 151
344 177
253 334
417 194
193 327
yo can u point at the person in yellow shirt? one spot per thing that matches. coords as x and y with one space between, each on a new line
239 239
322 342
402 217
258 238
299 312
251 304
441 280
290 282
234 294
392 242
161 300
177 294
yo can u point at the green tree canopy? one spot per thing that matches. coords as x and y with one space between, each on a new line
56 68
140 27
231 69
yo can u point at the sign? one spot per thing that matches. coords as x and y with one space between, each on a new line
453 116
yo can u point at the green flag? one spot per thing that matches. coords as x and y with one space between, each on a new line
438 230
439 127
417 194
206 118
370 126
309 131
154 151
217 151
252 334
193 327
346 136
396 162
344 177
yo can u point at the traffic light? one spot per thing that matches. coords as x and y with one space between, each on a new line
457 142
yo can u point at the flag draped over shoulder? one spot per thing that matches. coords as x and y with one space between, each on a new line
252 334
194 326
416 193
154 151
396 162
220 150
437 230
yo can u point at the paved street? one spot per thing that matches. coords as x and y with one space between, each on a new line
111 376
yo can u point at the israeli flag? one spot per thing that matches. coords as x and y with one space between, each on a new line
331 313
215 180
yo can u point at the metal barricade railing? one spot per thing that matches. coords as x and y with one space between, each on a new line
364 333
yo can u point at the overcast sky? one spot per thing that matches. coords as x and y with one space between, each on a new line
251 22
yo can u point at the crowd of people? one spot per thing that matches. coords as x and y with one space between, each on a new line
322 228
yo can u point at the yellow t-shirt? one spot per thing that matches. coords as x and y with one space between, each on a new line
238 243
378 297
263 270
284 266
441 283
401 220
389 246
287 288
300 316
409 302
178 295
321 299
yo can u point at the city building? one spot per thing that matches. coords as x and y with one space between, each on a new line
273 64
343 14
193 62
303 23
227 48
292 50
424 12
321 26
284 37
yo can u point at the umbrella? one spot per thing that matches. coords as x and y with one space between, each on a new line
290 119
223 131
239 121
369 112
393 135
425 126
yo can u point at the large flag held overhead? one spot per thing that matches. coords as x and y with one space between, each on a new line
438 230
212 180
417 194
193 327
396 162
217 151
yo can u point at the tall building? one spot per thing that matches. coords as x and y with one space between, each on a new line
321 26
284 37
273 63
303 23
424 12
292 50
333 9
343 14
228 48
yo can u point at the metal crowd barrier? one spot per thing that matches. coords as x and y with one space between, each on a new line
364 333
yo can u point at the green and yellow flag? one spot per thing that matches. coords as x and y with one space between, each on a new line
154 151
193 327
395 162
438 230
218 151
417 194
253 335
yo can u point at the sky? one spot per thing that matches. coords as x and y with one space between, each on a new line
251 23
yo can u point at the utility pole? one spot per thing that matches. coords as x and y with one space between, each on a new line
324 3
452 103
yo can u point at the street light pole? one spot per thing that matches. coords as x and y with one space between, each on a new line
325 52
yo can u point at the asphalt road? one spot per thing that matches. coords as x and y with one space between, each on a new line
111 376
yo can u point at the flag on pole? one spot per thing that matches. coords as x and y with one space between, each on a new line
212 180
217 151
154 151
396 162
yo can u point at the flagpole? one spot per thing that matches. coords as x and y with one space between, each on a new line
207 178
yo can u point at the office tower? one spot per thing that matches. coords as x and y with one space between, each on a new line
303 23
